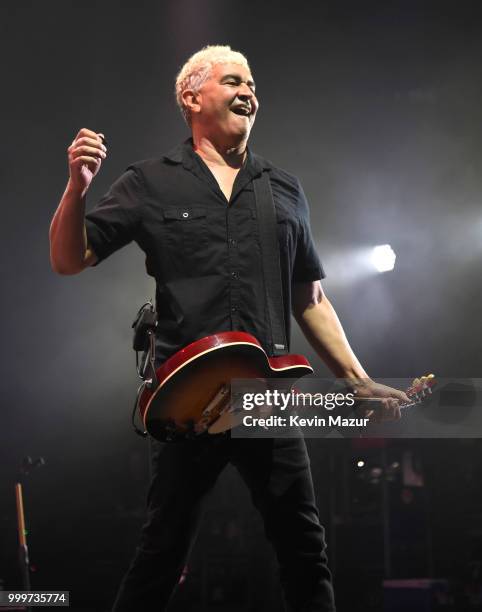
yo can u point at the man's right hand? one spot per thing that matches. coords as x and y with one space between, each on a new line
85 158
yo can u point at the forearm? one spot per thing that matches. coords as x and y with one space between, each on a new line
68 239
322 328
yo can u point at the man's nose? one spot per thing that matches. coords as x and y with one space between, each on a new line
245 92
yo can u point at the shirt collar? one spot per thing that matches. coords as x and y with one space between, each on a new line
183 154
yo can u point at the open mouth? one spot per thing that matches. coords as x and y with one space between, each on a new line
244 111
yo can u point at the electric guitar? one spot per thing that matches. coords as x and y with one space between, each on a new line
192 391
193 385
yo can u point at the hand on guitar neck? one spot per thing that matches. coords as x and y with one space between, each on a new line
383 403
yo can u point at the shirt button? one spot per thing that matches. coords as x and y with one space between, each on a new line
185 215
234 308
232 242
234 274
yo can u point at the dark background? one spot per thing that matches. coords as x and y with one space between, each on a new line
376 107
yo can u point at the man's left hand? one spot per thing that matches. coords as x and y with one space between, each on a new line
388 406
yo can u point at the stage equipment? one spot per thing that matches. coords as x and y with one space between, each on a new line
383 258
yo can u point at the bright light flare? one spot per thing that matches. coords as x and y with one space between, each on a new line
383 258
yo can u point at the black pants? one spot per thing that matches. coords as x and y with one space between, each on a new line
277 472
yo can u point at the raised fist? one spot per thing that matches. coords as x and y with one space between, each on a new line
85 158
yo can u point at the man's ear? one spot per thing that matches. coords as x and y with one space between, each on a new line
191 100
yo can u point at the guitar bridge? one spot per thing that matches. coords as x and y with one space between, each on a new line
216 406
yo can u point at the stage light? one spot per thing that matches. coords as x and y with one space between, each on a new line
383 257
360 463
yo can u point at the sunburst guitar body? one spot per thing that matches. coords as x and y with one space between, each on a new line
192 395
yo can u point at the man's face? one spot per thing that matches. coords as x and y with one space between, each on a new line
227 103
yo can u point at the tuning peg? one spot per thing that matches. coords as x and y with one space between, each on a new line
416 382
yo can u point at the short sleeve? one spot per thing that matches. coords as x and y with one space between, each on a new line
307 266
113 222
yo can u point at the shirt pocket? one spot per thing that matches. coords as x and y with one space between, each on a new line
184 238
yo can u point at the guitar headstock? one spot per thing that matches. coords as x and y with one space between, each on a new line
421 388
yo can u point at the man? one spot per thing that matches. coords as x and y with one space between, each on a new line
193 214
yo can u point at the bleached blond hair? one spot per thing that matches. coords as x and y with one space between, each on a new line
198 68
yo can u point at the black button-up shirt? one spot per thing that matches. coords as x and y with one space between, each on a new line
202 249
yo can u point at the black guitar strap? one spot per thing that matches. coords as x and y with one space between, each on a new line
268 234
